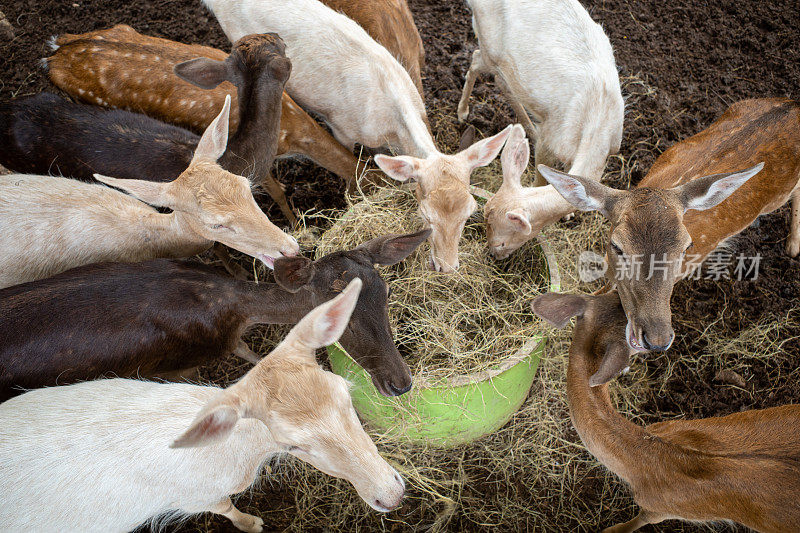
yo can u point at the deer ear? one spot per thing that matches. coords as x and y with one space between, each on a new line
391 249
520 221
213 423
293 273
557 309
150 192
325 324
401 168
584 193
204 72
215 139
484 151
616 359
515 157
709 191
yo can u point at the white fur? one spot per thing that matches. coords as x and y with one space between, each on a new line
555 63
50 224
338 71
109 455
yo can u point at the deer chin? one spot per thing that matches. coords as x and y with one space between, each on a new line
632 342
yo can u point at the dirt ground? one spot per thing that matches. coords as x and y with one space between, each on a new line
681 64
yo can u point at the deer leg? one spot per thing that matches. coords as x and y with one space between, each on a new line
642 519
234 269
243 350
475 68
793 244
275 191
242 521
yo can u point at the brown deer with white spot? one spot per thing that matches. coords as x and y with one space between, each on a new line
119 67
51 224
694 198
743 467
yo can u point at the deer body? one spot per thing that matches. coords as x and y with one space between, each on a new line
87 322
743 467
107 67
51 224
748 133
339 72
391 24
256 65
556 64
110 455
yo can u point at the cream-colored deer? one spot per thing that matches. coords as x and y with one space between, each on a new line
110 455
51 224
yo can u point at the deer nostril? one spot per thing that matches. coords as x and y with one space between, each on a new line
397 391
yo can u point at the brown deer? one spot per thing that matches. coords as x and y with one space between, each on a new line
695 196
87 322
743 467
119 67
391 24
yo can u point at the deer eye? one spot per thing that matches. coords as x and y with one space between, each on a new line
617 249
221 227
691 245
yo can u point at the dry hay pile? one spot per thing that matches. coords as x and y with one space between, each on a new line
446 324
532 474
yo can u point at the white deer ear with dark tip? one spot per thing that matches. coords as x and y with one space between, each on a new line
150 192
215 139
584 193
709 191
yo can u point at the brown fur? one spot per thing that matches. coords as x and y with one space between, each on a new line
749 132
119 67
743 467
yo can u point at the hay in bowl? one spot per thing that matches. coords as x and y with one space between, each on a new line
447 326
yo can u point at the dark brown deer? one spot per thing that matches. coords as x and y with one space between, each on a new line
120 67
40 131
695 196
166 316
743 467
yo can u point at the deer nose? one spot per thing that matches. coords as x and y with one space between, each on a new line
397 391
658 345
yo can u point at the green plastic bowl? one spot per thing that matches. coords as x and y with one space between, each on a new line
458 411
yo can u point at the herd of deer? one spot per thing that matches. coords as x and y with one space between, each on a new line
93 284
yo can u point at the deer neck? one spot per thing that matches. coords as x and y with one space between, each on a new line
544 205
169 235
615 441
268 303
251 149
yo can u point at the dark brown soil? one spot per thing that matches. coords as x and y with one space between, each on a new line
682 63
